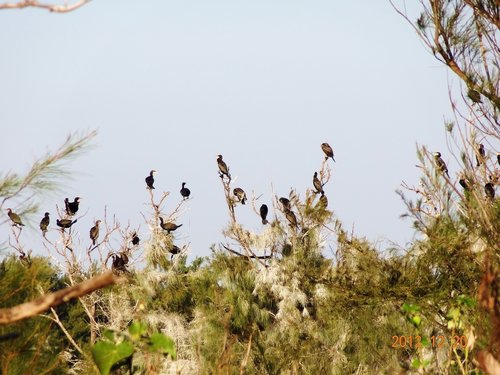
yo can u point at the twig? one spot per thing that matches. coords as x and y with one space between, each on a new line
50 7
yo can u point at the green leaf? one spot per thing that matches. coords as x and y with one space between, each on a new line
467 301
453 314
164 344
416 320
137 329
425 342
416 363
106 354
410 308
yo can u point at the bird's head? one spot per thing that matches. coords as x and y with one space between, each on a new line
152 171
77 199
219 157
9 210
97 222
437 154
46 214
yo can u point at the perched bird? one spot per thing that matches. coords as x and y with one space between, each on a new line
263 214
150 179
135 239
94 232
118 264
317 184
327 150
72 207
498 158
474 96
463 182
240 194
285 203
16 220
174 250
480 154
323 200
440 164
489 189
185 191
44 223
292 219
65 223
223 169
168 226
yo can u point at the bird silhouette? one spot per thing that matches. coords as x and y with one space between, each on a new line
72 207
16 220
223 169
317 184
185 192
489 190
65 223
94 232
440 164
135 239
168 226
263 213
285 203
240 194
327 150
44 223
480 154
150 179
292 219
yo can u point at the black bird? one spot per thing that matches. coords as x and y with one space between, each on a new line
285 203
94 232
240 194
135 239
174 250
263 214
65 223
118 264
185 191
223 169
498 158
474 96
168 226
327 150
317 184
480 154
72 207
292 219
44 223
16 220
463 182
440 164
323 200
489 189
150 179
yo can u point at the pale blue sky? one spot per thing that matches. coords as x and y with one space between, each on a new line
171 84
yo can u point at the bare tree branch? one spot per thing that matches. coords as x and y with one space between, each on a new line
39 305
50 7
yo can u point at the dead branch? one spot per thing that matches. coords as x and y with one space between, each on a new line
50 7
43 303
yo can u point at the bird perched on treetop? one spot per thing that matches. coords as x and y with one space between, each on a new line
150 179
44 223
168 226
65 223
285 203
480 154
317 184
240 194
135 239
94 232
72 207
263 214
327 150
174 250
185 192
498 158
292 219
16 220
489 189
223 169
440 164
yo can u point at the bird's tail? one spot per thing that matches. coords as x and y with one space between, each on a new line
264 221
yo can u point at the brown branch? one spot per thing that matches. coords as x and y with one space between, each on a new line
50 7
43 303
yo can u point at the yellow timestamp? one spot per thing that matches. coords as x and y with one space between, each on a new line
417 342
